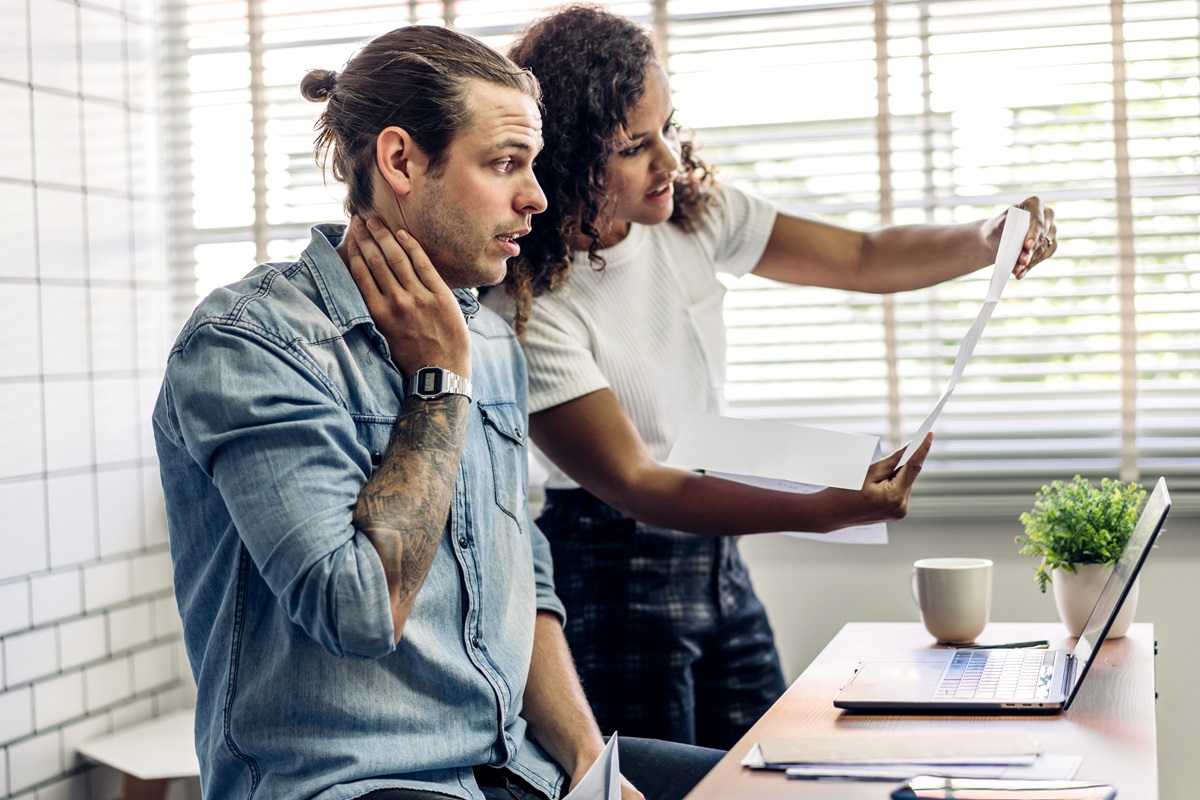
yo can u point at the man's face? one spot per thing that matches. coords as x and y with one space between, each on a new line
468 218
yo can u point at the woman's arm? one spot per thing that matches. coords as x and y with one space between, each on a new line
899 258
593 441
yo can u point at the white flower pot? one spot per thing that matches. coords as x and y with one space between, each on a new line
1075 595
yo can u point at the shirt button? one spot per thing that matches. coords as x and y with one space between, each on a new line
376 459
518 430
474 641
462 541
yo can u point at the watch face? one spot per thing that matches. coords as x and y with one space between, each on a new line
429 381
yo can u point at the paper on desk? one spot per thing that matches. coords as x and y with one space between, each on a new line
602 781
1044 767
784 458
1016 225
1008 747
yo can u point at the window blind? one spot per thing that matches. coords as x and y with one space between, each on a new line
858 112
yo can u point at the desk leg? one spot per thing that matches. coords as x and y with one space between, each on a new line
138 789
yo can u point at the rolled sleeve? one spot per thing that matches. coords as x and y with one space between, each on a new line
284 456
543 572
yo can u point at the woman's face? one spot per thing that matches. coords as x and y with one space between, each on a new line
638 182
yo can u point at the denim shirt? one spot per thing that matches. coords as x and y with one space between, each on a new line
278 402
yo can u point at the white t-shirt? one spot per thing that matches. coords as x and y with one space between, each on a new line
649 326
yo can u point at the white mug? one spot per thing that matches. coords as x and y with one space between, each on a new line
954 596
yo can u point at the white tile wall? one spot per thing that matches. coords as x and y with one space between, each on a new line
108 683
120 506
118 420
58 146
57 596
84 290
14 46
68 409
16 714
102 44
19 329
21 435
23 536
14 610
61 227
16 222
72 518
34 760
109 236
83 641
132 626
15 132
57 700
53 34
65 345
106 585
151 574
153 667
133 713
29 656
112 319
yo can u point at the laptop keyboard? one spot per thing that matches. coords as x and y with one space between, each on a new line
1009 674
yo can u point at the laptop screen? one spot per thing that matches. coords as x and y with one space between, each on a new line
1109 603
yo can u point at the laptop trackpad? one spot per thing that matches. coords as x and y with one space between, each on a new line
904 673
893 682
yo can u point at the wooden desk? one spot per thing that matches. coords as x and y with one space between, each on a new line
1111 723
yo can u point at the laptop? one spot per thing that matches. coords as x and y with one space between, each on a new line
1015 681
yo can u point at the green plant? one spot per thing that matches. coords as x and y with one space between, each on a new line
1078 523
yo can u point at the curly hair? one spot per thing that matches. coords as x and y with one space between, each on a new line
417 78
592 66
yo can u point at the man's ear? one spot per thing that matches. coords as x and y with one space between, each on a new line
396 156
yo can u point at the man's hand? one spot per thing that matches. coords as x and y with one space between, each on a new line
417 313
1041 241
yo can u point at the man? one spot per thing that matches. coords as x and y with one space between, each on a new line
368 608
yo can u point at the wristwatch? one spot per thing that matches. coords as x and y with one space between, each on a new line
430 383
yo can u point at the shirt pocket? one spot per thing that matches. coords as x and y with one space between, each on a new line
374 434
503 424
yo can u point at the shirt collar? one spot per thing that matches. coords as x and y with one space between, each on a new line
342 298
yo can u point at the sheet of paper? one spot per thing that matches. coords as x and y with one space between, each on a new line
602 781
1016 225
779 451
1007 747
876 533
1044 767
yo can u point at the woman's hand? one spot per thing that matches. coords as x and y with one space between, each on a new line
412 306
1041 241
887 486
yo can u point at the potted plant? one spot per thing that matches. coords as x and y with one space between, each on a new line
1079 531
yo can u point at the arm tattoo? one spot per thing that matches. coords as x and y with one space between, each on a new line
403 508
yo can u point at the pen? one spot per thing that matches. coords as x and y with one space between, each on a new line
1035 643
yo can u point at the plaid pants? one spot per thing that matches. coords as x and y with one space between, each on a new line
669 638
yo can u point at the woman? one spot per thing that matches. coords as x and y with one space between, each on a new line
625 341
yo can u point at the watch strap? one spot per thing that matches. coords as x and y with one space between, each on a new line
431 382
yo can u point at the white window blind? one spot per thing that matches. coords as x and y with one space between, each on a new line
860 112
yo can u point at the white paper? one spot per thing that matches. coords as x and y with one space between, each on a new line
783 458
603 779
1016 226
795 454
1043 768
874 533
